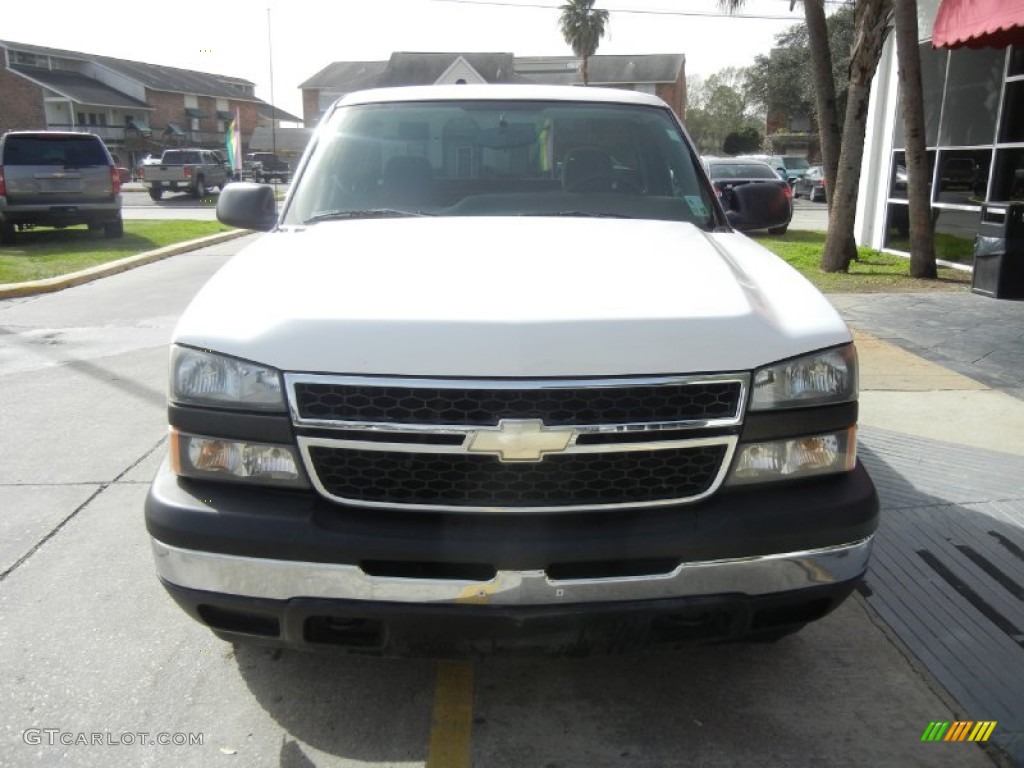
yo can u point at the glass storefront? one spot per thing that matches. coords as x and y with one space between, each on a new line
974 127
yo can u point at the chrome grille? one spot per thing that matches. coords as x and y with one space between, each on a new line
571 479
487 445
554 405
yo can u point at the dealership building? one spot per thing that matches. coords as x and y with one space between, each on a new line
974 116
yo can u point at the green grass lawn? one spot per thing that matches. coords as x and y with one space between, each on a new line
873 272
49 252
948 247
41 253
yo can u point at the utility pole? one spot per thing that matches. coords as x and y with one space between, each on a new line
273 108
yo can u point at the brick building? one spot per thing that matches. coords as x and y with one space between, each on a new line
136 107
663 75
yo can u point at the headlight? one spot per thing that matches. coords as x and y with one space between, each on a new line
795 457
819 379
214 458
205 378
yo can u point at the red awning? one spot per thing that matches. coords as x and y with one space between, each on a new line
979 24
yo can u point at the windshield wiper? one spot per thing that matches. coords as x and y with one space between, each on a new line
369 213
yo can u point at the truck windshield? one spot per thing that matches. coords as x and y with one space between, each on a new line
502 158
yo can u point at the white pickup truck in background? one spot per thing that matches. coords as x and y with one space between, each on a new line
194 171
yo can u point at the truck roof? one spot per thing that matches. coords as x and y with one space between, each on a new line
500 92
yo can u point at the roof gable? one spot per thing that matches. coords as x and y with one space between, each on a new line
460 71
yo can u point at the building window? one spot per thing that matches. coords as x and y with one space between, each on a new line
972 97
29 59
1008 181
1012 129
81 118
1016 61
963 176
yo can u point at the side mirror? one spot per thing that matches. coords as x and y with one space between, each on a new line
756 206
732 208
248 206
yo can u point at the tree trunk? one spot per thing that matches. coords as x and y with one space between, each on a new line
824 91
872 21
586 74
922 241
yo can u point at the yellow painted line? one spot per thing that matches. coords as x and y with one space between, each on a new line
452 720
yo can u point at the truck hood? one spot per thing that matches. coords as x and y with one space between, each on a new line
483 296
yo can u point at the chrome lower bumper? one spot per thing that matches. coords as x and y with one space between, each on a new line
283 580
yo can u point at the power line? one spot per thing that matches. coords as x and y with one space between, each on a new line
641 11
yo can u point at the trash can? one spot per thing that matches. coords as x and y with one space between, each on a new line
999 253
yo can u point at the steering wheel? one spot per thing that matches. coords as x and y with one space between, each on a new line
604 182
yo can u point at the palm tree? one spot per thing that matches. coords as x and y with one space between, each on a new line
872 22
824 86
829 135
583 27
922 240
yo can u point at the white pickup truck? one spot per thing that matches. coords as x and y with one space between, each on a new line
194 171
502 375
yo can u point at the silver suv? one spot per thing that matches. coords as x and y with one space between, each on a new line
57 179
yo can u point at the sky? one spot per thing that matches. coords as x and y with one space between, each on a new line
233 37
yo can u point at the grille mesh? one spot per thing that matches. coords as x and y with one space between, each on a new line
559 480
484 407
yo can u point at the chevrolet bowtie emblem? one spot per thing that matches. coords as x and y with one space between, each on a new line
520 440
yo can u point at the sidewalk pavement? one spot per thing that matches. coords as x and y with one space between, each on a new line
942 435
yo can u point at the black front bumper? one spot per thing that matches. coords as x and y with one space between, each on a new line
239 537
464 631
301 526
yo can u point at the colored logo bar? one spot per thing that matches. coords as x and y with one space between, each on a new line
958 730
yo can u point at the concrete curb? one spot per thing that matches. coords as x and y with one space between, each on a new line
59 283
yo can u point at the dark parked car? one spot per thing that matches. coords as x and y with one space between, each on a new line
812 184
771 208
57 179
